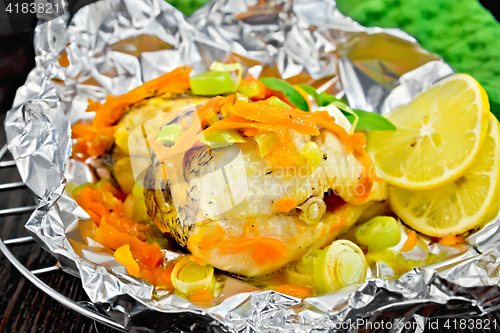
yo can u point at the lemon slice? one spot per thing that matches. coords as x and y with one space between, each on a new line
438 135
461 205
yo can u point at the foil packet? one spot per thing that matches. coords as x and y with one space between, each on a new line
115 45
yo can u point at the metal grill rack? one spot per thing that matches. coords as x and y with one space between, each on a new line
86 308
82 307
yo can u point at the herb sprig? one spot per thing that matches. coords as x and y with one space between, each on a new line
363 120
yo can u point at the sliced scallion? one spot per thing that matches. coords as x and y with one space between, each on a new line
138 191
277 102
339 265
251 89
211 83
234 67
169 134
379 233
312 154
81 187
312 211
222 138
188 276
302 272
266 141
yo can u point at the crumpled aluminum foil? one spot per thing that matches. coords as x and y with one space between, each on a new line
115 45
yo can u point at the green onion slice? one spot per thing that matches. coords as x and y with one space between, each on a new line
138 191
169 134
277 102
216 81
70 187
379 233
266 142
211 83
252 89
339 265
361 120
189 276
348 112
222 138
234 67
312 154
373 121
290 92
312 211
81 187
302 272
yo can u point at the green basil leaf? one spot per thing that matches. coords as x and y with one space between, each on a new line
373 121
310 90
293 95
322 99
363 120
326 99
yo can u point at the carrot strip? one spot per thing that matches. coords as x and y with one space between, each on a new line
410 242
285 205
202 296
94 217
150 255
250 131
326 121
98 208
92 141
63 60
299 292
265 249
108 187
80 130
108 113
208 111
124 225
292 118
164 279
242 123
369 176
452 240
125 257
147 274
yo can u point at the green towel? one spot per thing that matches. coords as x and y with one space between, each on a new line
462 32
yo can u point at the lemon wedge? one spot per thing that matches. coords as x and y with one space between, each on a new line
461 205
439 135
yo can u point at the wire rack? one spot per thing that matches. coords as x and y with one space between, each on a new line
82 307
86 308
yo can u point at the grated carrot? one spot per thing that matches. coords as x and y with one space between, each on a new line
202 296
410 242
323 119
452 240
63 60
125 257
109 112
242 123
150 255
285 204
299 292
264 249
291 118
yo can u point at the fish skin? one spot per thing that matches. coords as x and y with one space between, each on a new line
189 211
